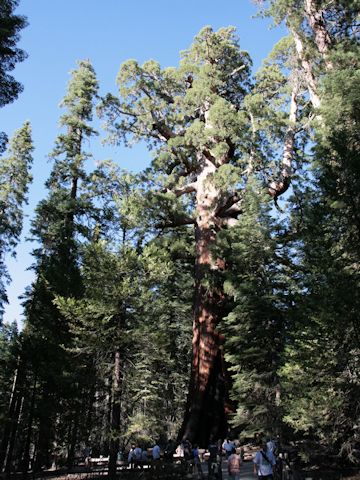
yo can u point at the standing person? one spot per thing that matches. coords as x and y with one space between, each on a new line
213 451
144 455
87 455
156 452
197 462
187 447
234 463
137 455
228 446
169 450
271 445
131 456
214 461
264 462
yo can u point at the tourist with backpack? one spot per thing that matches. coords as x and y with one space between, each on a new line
264 463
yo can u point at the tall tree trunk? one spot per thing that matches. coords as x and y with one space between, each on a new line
12 439
26 453
205 415
322 38
73 438
12 416
307 67
44 435
323 44
115 415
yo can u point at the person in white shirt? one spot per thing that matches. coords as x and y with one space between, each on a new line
264 462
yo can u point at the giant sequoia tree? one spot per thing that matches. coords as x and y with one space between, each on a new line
207 148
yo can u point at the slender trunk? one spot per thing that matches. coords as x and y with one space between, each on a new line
44 436
12 439
310 78
90 409
11 417
26 454
115 415
280 186
323 44
73 439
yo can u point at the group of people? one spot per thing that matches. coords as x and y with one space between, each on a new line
138 455
264 460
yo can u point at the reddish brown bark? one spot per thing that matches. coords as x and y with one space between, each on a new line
206 412
322 38
207 399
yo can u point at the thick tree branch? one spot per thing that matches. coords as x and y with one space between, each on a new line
280 186
235 210
322 38
189 188
231 201
308 70
179 222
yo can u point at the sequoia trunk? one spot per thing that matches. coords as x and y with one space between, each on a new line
205 415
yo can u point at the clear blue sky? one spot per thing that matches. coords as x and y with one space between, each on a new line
60 32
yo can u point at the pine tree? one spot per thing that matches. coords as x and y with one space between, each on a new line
255 330
15 177
321 403
126 309
10 55
58 227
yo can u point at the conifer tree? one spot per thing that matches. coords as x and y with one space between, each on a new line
255 330
15 177
10 55
197 120
321 403
125 307
58 227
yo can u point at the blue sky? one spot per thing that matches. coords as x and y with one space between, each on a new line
60 32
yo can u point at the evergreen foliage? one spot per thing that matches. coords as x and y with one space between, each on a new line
187 270
10 55
58 227
207 133
255 329
15 177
